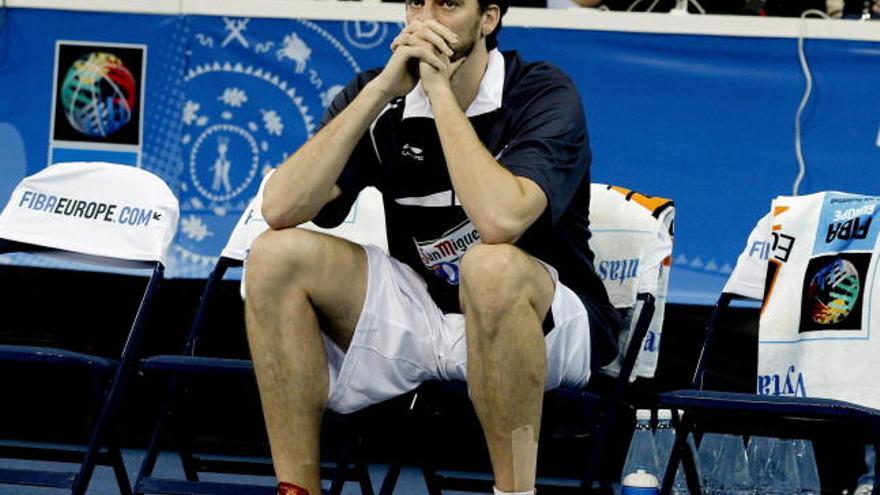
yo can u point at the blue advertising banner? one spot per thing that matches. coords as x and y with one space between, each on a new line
210 102
255 90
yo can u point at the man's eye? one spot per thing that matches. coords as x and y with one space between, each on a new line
415 3
449 4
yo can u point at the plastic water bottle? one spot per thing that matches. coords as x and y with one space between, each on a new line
695 455
664 437
641 460
640 483
759 452
732 475
779 473
709 452
806 463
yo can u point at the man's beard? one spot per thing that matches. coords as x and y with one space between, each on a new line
461 51
465 49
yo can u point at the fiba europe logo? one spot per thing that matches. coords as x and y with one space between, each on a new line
833 292
98 94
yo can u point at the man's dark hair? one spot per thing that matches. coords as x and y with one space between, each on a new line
492 39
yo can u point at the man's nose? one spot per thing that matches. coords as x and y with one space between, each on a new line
426 13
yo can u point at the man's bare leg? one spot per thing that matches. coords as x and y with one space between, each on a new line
298 284
505 296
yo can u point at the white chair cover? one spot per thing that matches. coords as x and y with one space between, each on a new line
95 209
249 226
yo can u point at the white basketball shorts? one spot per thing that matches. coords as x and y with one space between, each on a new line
403 339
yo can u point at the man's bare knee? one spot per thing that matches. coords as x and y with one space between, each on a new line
326 272
493 275
500 280
280 258
494 280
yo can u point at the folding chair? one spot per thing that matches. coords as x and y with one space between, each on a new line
176 367
807 252
632 242
105 214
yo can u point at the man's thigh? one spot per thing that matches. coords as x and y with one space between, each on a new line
566 327
330 270
394 347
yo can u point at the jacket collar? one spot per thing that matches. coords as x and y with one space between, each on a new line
488 96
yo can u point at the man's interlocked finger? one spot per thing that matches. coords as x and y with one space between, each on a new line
447 34
425 38
425 54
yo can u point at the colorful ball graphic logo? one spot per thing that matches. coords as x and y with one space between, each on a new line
98 94
833 292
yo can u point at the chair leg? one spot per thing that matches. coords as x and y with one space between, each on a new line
338 481
341 474
361 468
122 375
151 456
389 482
363 478
152 453
598 449
429 473
690 468
87 468
681 435
184 425
183 448
118 465
190 470
106 414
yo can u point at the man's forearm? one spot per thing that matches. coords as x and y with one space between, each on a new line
306 181
494 199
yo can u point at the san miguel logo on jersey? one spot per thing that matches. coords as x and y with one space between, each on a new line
442 256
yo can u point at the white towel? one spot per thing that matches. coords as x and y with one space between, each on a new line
819 332
632 240
748 276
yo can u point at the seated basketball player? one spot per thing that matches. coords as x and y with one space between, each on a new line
483 161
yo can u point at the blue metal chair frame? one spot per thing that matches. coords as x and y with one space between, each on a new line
348 467
100 449
608 407
750 413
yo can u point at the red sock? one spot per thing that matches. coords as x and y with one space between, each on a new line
285 488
